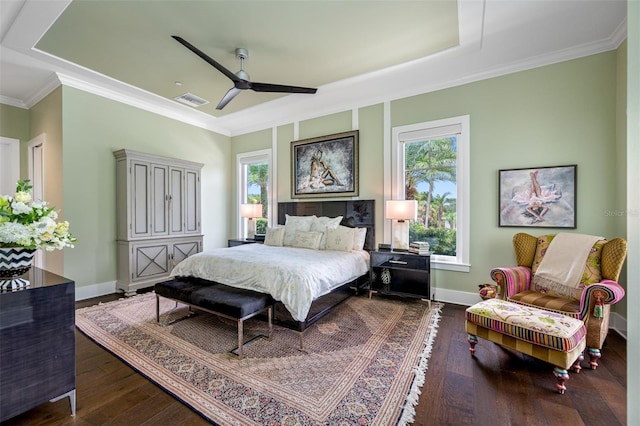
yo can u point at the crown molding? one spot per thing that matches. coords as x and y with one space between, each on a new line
619 34
51 84
144 100
6 100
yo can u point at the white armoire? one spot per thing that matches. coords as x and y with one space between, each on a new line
158 216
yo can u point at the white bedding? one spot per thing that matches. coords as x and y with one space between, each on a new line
294 276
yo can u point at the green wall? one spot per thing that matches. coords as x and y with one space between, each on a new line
554 115
93 128
14 122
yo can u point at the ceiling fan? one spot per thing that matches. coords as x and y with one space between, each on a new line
241 78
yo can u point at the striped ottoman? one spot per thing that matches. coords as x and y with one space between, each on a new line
548 336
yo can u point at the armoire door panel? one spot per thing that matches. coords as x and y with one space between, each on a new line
192 195
140 199
159 194
183 250
151 260
177 201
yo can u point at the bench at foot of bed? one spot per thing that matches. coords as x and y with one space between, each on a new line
219 299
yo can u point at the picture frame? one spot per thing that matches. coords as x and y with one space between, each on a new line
539 197
325 166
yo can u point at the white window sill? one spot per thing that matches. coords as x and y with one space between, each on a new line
450 266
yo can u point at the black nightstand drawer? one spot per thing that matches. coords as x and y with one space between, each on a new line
401 274
402 261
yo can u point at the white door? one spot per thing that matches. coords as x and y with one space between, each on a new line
9 165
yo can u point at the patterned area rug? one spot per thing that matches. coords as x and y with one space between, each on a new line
362 364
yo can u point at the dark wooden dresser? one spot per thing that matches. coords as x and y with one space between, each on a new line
37 343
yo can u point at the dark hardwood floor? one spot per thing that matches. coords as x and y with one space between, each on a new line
498 387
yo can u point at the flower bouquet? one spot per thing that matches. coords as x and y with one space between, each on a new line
25 226
31 224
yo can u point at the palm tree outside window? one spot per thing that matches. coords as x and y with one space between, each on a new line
430 164
255 187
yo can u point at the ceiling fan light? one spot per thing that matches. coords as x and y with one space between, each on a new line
242 75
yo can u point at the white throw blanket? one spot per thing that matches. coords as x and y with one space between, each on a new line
563 264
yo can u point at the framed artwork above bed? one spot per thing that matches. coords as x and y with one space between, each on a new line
326 166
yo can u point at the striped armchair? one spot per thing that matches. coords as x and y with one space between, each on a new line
590 303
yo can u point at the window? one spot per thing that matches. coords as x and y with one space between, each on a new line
430 164
254 186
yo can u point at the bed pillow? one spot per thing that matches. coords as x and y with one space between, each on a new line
359 238
274 236
307 239
340 238
320 224
294 224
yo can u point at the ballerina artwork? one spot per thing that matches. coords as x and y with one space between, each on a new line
536 201
535 198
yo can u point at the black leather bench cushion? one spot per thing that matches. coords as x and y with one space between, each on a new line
220 298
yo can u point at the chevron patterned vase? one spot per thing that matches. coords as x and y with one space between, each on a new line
14 261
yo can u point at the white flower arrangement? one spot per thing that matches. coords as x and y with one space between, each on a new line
31 224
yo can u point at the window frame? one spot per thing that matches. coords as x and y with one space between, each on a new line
432 130
243 160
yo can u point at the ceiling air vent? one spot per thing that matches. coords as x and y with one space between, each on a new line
191 100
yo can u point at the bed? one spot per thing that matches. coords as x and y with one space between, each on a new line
306 283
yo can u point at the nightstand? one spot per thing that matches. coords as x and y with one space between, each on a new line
401 274
241 241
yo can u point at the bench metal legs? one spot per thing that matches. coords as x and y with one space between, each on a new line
236 351
164 324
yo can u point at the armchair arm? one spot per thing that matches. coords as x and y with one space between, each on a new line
608 291
511 280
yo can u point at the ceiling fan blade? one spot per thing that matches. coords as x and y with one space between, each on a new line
232 93
207 58
267 87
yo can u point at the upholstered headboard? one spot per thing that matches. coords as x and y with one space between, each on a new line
355 214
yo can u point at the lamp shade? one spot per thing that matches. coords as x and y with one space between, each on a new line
401 209
251 210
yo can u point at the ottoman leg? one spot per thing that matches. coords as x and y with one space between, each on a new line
473 341
561 376
576 367
594 355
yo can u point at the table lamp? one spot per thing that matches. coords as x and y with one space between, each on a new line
400 212
251 211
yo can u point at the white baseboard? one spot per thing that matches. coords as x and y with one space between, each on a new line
457 297
95 290
616 321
